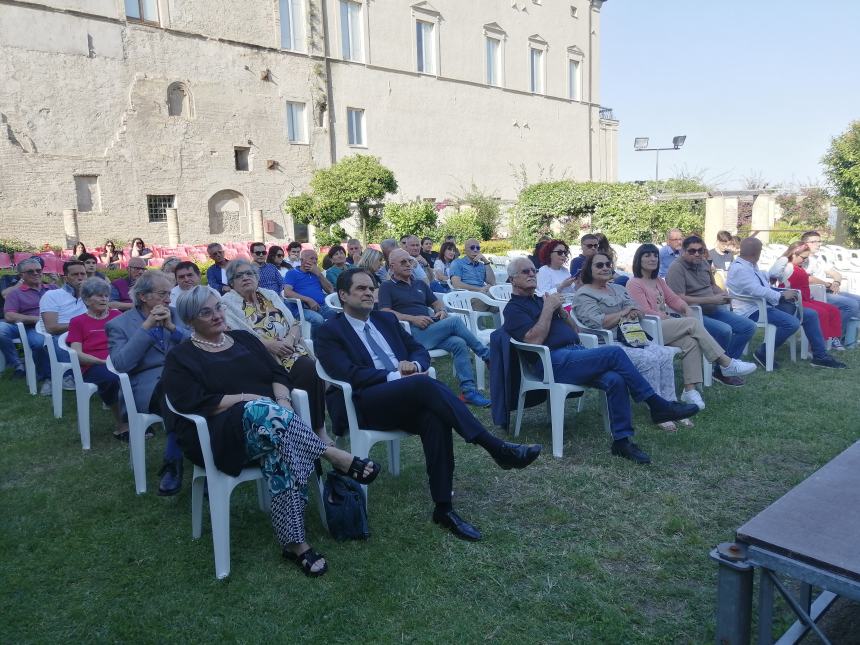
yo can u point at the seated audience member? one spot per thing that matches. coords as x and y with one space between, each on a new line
168 268
229 378
746 279
442 267
386 368
372 260
822 272
262 312
553 277
139 341
111 256
427 251
269 276
670 251
602 304
353 251
120 288
691 279
79 249
453 240
409 300
387 246
58 306
421 268
216 275
535 256
337 256
788 269
307 283
653 296
543 321
22 305
294 251
91 265
588 244
473 272
139 250
275 257
88 338
186 276
603 246
722 255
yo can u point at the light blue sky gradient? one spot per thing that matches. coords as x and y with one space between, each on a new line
757 87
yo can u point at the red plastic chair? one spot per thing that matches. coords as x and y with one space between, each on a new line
53 264
156 262
20 256
5 261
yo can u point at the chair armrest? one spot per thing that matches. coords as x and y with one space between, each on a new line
589 341
761 303
601 334
542 352
651 325
201 425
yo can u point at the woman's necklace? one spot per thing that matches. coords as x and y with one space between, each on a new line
101 317
207 343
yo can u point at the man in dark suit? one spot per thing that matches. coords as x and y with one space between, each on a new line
387 370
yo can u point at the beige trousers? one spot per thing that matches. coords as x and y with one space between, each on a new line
694 341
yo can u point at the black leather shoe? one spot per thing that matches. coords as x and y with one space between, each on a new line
516 455
457 525
672 411
171 478
631 451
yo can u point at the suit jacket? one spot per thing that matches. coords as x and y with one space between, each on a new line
343 355
134 351
213 278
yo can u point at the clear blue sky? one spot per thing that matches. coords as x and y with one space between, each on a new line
758 87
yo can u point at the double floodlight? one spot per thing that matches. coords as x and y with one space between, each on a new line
640 143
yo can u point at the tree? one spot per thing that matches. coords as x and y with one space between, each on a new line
842 168
412 218
359 181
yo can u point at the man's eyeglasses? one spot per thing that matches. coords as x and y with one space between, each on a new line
602 265
32 272
591 246
528 271
135 268
696 251
160 294
243 274
475 247
564 253
206 313
259 253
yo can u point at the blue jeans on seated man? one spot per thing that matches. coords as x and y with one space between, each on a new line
317 318
607 369
730 330
848 304
452 335
784 319
8 336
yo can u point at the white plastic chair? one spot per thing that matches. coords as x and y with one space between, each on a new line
306 326
532 358
769 330
138 422
83 392
361 440
58 370
333 302
501 292
221 485
29 364
460 303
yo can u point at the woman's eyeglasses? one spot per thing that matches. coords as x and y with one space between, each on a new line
206 313
243 274
564 253
602 265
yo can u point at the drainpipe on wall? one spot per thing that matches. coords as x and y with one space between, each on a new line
590 96
329 91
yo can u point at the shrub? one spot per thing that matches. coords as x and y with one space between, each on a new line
488 213
462 226
330 235
415 218
12 246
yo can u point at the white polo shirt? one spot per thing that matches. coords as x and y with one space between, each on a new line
64 303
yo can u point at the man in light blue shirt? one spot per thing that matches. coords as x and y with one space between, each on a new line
473 272
670 252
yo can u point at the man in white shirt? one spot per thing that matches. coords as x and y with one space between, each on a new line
420 267
187 276
746 279
58 306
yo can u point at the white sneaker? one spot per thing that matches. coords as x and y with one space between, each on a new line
738 368
69 382
693 397
45 390
836 344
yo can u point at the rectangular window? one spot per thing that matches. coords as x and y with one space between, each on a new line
355 127
242 158
292 25
494 61
296 123
157 205
573 79
425 44
87 192
350 31
536 70
144 10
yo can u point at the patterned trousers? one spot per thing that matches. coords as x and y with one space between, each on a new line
654 362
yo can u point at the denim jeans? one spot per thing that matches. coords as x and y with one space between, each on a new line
730 330
317 318
452 335
607 369
8 336
786 323
848 304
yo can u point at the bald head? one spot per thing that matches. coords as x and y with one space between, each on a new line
751 249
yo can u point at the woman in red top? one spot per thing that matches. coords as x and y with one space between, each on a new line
789 270
88 338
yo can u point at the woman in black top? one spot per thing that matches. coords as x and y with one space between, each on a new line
229 378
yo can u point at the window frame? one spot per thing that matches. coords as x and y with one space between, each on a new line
297 36
432 59
350 128
140 6
352 29
493 31
149 208
575 56
302 121
537 81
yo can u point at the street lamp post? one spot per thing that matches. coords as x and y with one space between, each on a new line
640 144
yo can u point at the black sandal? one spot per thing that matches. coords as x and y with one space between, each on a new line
356 470
306 561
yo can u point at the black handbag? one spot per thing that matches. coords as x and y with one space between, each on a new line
345 508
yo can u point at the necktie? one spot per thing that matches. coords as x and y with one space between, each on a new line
376 349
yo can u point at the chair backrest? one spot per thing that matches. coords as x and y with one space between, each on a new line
202 434
74 360
531 358
818 292
501 292
125 386
333 302
49 343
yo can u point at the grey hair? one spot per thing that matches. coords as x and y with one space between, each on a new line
234 267
94 287
369 257
388 244
24 263
515 264
146 284
169 260
189 303
212 245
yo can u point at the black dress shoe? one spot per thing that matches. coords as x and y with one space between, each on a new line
516 455
457 525
171 478
673 411
631 451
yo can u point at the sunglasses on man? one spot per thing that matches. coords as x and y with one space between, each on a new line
696 251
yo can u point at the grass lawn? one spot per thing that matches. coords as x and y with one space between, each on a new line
588 548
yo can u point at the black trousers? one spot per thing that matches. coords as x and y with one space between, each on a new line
423 406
